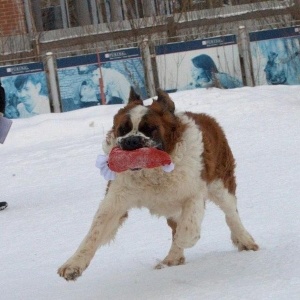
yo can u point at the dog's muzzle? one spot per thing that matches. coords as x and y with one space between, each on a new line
136 141
132 142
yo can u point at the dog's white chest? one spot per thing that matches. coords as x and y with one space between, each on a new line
162 193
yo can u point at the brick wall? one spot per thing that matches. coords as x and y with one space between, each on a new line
12 18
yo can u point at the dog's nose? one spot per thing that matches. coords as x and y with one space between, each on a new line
132 143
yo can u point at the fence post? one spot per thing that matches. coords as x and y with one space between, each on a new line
295 12
148 68
245 55
52 82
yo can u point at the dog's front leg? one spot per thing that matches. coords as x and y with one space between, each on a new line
188 226
107 220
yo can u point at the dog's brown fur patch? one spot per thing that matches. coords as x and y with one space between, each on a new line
218 160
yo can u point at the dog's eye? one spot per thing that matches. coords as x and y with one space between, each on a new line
147 129
124 129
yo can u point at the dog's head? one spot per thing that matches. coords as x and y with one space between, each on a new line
136 125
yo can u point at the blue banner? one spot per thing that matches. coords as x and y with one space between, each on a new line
76 61
26 90
274 34
100 78
120 54
275 56
196 45
21 69
211 62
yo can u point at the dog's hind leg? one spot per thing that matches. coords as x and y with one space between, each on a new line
175 256
106 222
228 203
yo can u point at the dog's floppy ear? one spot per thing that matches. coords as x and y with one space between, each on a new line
134 97
165 101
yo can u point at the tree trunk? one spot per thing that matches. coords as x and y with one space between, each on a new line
83 13
148 8
37 15
116 10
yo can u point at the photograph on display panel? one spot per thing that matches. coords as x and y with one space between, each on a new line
98 79
77 89
120 70
212 62
275 56
26 90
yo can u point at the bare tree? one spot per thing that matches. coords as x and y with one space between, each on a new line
37 14
116 10
83 13
153 19
148 8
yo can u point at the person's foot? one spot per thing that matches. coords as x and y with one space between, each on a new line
3 205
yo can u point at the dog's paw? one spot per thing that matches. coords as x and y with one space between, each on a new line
244 242
69 272
169 262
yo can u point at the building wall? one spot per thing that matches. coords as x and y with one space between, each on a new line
12 17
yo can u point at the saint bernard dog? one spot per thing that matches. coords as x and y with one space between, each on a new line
204 169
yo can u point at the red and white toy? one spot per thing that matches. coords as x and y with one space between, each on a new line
122 160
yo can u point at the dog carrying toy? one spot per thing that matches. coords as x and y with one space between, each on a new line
122 160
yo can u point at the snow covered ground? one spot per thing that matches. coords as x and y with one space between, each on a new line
49 179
